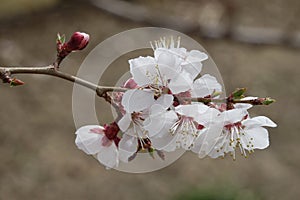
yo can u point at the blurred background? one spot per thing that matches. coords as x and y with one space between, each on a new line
254 43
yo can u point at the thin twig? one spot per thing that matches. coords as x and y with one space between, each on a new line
257 101
51 71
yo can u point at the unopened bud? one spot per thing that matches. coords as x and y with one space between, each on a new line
60 41
239 93
215 94
130 83
15 82
151 152
78 41
268 101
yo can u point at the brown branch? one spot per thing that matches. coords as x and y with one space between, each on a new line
258 101
6 72
101 91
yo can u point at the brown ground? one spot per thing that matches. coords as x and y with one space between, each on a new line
38 157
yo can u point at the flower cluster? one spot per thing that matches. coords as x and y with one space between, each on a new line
158 112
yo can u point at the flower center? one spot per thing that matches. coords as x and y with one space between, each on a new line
186 132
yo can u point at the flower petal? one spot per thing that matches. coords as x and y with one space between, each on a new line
195 56
167 143
166 59
205 85
159 121
109 156
182 82
142 70
245 106
193 69
165 100
207 117
233 116
207 139
258 121
260 138
125 122
168 65
137 100
193 62
87 141
179 52
127 147
191 110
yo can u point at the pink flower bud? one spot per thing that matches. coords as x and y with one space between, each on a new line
78 41
130 83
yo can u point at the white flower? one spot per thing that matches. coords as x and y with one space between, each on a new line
183 132
159 71
160 120
158 112
145 117
191 66
136 103
214 141
171 67
191 61
92 140
238 133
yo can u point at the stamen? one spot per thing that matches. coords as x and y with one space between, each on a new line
178 41
186 131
